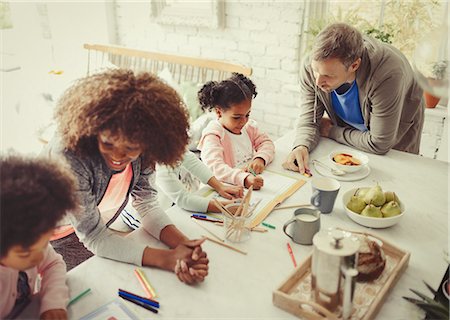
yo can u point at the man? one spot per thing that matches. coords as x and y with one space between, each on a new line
367 89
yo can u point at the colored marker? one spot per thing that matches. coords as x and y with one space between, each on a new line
139 303
206 219
265 224
252 172
78 297
200 216
151 302
291 254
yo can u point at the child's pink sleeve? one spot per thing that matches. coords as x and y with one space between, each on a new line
263 146
213 156
54 291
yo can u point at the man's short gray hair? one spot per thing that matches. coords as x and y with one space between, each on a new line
338 40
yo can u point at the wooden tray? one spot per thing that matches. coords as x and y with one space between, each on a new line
294 294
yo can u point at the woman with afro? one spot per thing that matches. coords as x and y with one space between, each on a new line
113 127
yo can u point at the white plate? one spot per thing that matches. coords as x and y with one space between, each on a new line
358 175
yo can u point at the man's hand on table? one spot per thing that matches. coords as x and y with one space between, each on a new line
298 160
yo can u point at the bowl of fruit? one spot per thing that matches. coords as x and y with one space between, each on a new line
372 207
348 160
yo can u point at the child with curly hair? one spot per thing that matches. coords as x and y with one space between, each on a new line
113 128
34 195
233 147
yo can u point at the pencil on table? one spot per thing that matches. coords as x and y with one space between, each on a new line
258 229
209 231
293 206
222 208
145 283
225 245
78 297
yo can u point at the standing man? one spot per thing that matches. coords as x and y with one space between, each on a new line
368 90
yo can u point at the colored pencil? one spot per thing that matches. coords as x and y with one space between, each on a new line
268 225
209 231
139 303
144 283
225 245
131 295
291 254
293 206
258 229
78 297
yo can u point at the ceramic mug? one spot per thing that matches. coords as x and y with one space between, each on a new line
325 191
305 224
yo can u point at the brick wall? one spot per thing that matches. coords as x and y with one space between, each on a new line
263 35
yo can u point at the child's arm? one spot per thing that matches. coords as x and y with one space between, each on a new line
263 145
167 179
54 292
213 157
197 168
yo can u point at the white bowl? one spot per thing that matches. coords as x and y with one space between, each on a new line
370 221
349 169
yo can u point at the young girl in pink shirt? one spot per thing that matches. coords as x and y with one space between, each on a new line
34 195
232 146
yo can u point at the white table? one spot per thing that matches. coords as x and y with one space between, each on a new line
240 287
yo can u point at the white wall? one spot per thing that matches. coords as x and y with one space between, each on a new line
264 35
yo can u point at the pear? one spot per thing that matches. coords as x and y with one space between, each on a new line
372 211
375 196
361 192
391 196
356 204
390 209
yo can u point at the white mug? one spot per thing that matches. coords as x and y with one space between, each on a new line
305 224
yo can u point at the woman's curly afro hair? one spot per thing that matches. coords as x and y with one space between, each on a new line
140 106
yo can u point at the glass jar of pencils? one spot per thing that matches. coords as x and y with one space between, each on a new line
237 223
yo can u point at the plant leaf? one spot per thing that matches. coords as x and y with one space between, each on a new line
424 297
430 288
433 304
429 309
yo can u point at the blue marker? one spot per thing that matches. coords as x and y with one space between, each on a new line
200 216
139 298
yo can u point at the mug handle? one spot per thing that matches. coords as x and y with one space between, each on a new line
315 199
286 225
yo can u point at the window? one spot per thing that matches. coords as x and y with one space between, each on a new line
400 22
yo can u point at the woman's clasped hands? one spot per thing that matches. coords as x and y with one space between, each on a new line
191 264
